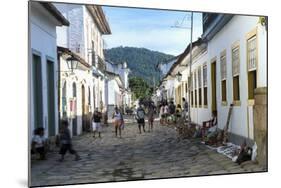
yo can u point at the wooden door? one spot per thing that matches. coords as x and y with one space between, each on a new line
214 86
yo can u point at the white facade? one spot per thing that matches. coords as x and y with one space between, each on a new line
84 37
241 123
77 95
123 71
234 33
43 78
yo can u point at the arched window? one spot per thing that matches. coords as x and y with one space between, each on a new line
73 108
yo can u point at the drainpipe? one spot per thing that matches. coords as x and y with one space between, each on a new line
190 51
58 62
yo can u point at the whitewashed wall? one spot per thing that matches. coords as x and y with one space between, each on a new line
236 30
80 77
42 43
72 37
114 90
199 114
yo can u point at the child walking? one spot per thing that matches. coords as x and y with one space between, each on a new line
65 141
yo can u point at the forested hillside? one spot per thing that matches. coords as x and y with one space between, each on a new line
141 61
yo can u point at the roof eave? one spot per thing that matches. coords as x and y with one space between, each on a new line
76 56
55 12
99 17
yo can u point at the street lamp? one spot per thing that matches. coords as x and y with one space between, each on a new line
71 63
179 76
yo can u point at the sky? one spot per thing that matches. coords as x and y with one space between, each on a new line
151 29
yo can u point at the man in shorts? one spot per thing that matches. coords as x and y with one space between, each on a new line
96 122
140 118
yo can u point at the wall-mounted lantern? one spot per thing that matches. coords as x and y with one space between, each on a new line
179 76
71 63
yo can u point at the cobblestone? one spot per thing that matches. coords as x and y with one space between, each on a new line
157 154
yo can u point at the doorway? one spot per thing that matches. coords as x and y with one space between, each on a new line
74 119
51 98
214 86
83 109
37 91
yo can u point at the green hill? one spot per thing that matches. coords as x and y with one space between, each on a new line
141 61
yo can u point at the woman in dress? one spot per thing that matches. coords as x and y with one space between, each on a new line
118 120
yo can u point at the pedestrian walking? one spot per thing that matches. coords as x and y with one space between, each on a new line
39 143
150 115
118 118
185 108
66 143
161 114
140 114
96 122
172 111
178 111
166 112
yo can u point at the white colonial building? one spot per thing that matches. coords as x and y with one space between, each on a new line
43 67
118 85
229 64
84 88
165 90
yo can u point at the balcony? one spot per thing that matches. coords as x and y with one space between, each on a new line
101 64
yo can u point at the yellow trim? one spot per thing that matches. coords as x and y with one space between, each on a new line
249 35
251 102
237 103
233 46
224 103
214 59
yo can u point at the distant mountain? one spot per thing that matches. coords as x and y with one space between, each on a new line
141 61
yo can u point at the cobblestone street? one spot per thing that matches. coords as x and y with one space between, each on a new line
157 154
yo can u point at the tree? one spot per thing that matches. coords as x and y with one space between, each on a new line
140 88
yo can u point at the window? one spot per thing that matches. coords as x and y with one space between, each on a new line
236 95
200 86
235 73
205 85
252 64
223 76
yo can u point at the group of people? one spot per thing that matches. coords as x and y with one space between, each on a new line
39 142
169 112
